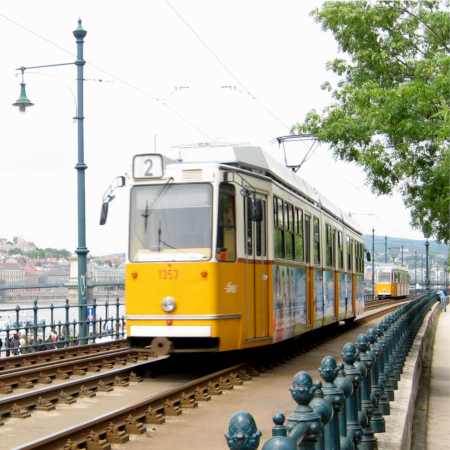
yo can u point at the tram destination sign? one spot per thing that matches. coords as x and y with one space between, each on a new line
148 166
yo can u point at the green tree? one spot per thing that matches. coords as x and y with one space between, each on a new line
15 251
64 253
41 254
390 106
32 254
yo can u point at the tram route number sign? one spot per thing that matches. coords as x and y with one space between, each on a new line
90 315
148 166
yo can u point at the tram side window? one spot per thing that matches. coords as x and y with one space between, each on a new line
299 246
249 227
349 254
340 250
261 247
316 237
307 238
289 234
226 228
278 213
361 258
329 245
359 255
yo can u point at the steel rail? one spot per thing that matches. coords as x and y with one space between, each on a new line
150 409
64 391
49 356
44 374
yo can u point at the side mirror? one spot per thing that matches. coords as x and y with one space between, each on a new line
108 197
368 256
120 181
257 215
104 213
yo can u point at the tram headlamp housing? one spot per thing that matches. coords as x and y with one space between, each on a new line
168 304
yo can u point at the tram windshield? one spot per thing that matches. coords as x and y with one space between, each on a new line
171 222
384 277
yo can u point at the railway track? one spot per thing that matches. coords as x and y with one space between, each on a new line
44 374
387 301
49 357
118 425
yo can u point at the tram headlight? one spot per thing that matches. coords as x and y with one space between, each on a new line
168 304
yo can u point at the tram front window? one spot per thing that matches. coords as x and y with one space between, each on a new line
171 222
384 277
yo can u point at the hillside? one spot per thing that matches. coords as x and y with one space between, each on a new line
412 249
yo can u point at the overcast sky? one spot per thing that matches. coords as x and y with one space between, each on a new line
143 50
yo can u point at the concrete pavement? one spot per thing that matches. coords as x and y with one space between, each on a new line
438 430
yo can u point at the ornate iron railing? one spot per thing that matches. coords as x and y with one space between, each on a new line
36 324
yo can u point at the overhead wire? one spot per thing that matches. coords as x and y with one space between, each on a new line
178 114
311 151
113 76
359 192
225 67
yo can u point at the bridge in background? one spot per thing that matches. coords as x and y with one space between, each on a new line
103 276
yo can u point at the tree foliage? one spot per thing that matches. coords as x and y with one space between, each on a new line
390 106
48 253
55 253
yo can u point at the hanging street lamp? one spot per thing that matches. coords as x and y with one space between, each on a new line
23 103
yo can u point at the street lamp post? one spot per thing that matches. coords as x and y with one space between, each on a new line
421 278
427 280
415 270
373 263
23 103
385 249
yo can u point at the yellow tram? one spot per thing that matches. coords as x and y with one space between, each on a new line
391 281
229 249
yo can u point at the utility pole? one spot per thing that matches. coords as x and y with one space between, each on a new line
385 249
373 263
415 270
421 278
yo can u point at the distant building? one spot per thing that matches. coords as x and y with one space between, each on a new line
105 274
10 273
61 277
19 243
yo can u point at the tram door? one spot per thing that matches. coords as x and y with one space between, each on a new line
257 272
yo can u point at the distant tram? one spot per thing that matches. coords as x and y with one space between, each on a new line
391 281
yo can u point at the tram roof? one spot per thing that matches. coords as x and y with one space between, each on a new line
245 156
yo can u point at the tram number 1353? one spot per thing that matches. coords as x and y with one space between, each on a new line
171 274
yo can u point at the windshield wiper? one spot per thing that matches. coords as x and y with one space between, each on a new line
146 214
160 241
148 209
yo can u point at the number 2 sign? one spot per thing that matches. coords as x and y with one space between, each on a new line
147 166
